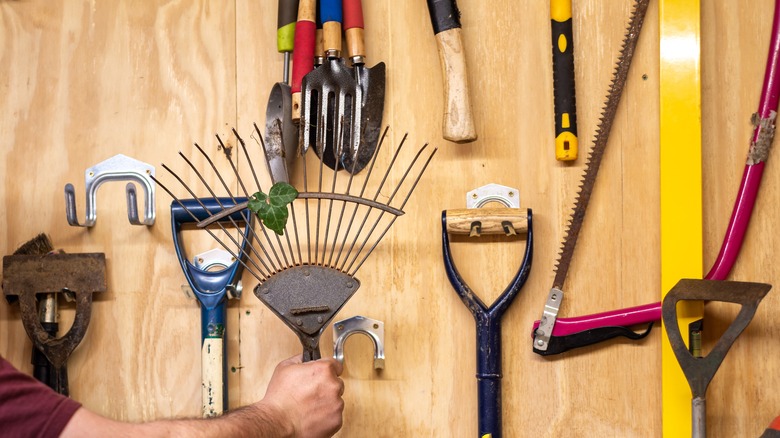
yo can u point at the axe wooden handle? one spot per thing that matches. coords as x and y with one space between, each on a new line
491 220
458 119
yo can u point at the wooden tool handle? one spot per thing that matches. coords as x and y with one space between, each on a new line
353 28
458 120
303 55
331 15
491 220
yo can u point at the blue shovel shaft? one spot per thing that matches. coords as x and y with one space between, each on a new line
489 375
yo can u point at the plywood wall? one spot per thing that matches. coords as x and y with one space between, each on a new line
83 81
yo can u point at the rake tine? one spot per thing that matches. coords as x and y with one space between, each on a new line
376 195
246 194
362 190
343 208
216 198
208 187
233 166
408 195
339 134
194 196
306 204
321 131
260 277
254 174
389 201
265 232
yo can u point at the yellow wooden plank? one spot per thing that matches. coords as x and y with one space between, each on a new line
681 188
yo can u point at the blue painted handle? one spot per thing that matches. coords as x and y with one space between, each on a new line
330 10
210 287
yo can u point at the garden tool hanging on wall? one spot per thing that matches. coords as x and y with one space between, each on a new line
281 134
476 221
562 334
306 268
700 370
544 342
27 276
213 279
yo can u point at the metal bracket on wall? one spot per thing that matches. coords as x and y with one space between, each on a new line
372 328
116 168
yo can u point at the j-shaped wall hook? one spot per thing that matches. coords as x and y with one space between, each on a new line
116 168
359 324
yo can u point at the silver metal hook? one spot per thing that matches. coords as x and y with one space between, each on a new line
372 328
116 168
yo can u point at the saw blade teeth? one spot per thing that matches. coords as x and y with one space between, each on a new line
615 89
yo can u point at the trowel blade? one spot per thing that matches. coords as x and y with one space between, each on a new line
367 119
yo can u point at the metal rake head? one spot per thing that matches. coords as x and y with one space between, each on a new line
308 273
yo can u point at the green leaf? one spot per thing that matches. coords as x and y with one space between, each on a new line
272 208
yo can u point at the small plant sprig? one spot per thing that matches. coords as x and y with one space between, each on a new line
272 208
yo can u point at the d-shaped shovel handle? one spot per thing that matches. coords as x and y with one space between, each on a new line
210 288
488 320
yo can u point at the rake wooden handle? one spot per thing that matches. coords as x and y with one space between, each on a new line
491 220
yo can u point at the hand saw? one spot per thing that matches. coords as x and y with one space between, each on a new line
543 333
569 333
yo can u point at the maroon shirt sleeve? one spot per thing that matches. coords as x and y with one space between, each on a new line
28 408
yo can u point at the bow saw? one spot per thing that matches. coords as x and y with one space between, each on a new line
553 335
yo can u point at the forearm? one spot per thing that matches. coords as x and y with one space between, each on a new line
260 420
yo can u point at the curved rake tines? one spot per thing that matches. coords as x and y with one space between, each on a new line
368 209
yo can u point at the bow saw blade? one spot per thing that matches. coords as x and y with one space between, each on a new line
593 162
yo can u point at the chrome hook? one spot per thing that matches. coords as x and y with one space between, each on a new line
116 168
372 328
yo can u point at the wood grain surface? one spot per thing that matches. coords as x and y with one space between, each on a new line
83 81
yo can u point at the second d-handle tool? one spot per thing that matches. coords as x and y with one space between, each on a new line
478 221
211 288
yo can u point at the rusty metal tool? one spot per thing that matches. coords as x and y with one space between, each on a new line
573 332
25 276
369 93
47 309
458 118
566 143
306 277
281 134
543 333
508 220
700 370
328 94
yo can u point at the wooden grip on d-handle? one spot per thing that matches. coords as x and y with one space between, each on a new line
491 220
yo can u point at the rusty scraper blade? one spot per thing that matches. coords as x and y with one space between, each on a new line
307 298
699 371
24 276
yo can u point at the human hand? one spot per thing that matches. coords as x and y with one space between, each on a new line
308 395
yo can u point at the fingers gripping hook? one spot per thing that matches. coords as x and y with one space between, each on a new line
116 168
